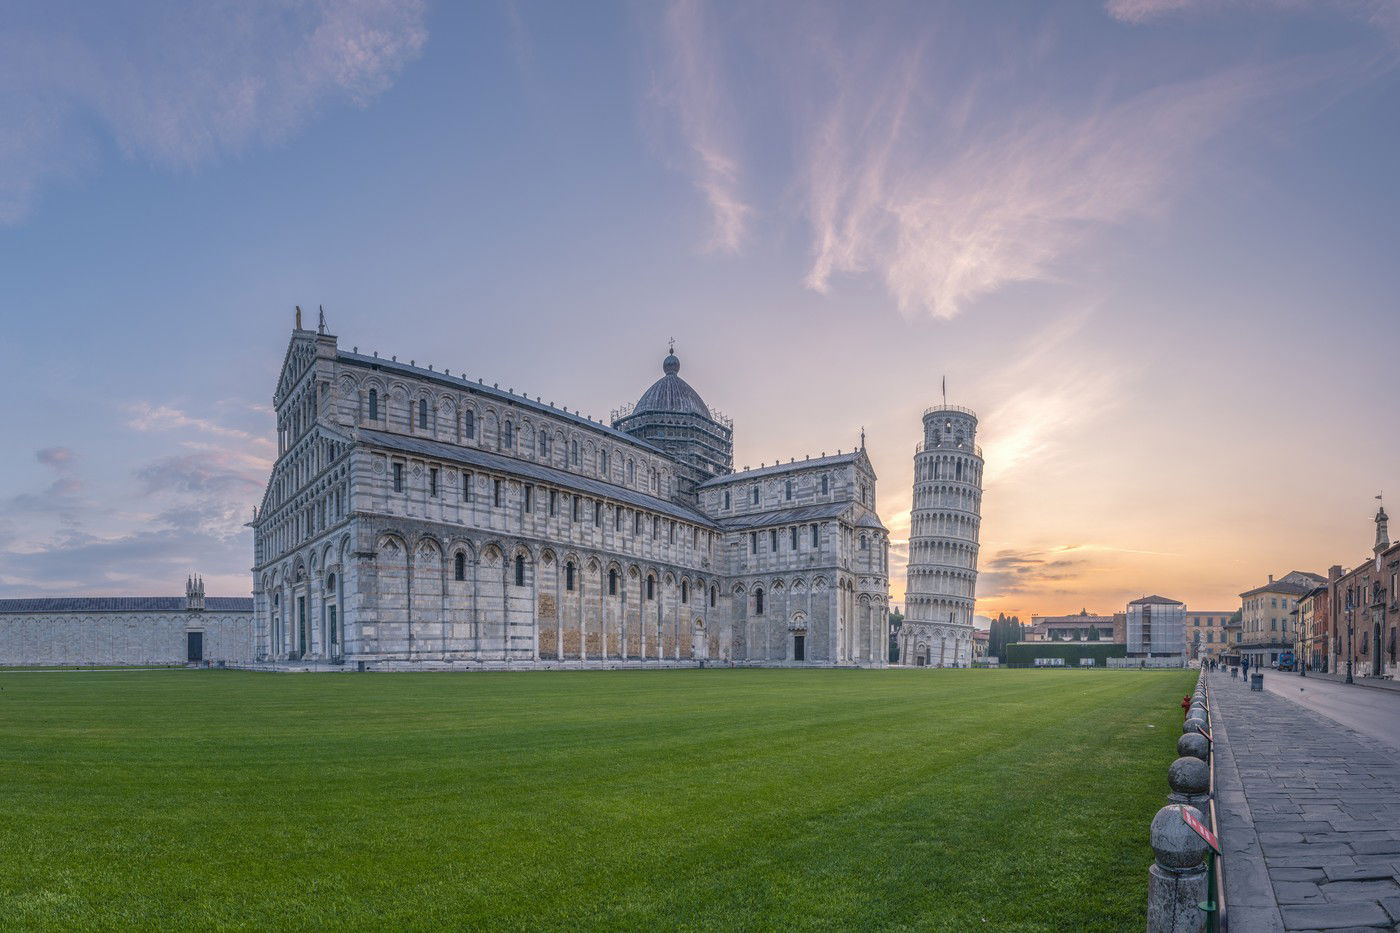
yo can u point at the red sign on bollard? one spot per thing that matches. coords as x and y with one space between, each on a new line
1201 830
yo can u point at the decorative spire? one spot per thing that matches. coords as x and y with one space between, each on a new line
298 317
862 437
321 324
1382 530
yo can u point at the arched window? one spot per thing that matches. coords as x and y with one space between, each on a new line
758 601
469 423
569 576
787 489
423 413
519 570
826 484
631 472
714 595
685 591
373 404
330 584
603 462
459 566
864 543
508 435
755 494
573 452
957 472
544 444
651 587
612 582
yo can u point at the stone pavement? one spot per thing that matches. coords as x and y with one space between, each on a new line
1309 813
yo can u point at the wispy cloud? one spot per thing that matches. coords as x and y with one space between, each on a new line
946 213
1380 14
146 416
1048 393
1016 573
182 510
178 84
57 457
690 86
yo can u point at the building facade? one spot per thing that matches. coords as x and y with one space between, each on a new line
1266 619
1082 626
1205 633
1156 628
127 630
416 519
1364 611
944 535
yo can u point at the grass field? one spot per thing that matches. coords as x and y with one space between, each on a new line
948 800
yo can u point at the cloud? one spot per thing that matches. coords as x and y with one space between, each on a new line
1383 15
690 86
204 474
944 212
57 457
184 509
146 416
1013 573
178 85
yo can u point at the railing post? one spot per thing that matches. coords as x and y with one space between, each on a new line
1177 882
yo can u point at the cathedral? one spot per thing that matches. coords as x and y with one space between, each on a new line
417 519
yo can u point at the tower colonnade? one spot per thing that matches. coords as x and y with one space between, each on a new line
944 535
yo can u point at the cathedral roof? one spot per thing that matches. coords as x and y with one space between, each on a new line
671 394
122 604
486 460
832 460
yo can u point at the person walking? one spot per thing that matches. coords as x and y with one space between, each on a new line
1244 668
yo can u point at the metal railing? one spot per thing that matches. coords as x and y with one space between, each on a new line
951 448
955 409
1220 920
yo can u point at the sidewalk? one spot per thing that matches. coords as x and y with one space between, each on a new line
1310 816
1376 682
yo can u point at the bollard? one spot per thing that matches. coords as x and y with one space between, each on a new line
1193 745
1189 779
1194 724
1177 882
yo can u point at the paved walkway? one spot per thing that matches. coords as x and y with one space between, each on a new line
1310 816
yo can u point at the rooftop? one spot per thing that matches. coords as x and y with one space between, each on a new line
122 604
471 456
1156 601
493 391
833 460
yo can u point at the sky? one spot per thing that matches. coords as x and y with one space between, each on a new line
1153 243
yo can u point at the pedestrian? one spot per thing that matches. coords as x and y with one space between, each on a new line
1244 667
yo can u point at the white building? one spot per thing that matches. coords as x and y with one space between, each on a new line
1156 628
417 518
127 630
944 530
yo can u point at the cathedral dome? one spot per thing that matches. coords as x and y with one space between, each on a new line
671 394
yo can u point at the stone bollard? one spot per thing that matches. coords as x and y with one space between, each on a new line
1201 713
1194 724
1176 882
1189 779
1193 745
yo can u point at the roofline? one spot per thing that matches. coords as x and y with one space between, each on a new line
791 465
488 460
524 401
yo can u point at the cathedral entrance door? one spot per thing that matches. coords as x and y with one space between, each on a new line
194 646
301 627
799 647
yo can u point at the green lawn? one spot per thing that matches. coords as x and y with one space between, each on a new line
949 800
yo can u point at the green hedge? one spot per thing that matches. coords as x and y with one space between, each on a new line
1024 653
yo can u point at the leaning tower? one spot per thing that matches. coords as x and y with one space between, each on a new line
945 524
